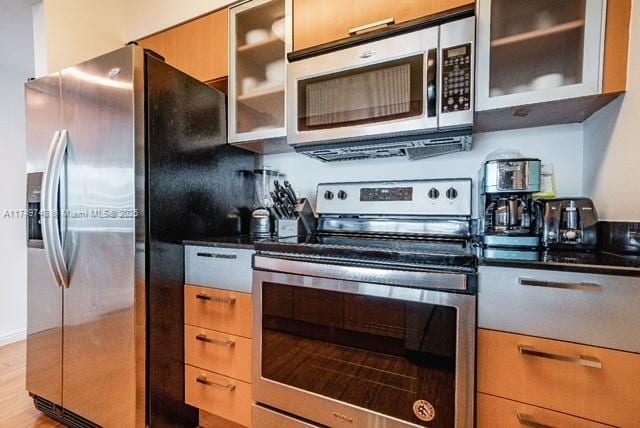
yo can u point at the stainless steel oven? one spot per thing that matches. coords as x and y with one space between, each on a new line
345 345
403 92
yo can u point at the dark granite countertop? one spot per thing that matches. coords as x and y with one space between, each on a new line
239 241
597 262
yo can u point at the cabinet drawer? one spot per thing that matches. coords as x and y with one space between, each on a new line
222 310
588 382
207 420
228 398
222 353
583 308
498 412
267 418
224 268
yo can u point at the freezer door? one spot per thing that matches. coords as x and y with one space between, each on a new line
100 337
44 294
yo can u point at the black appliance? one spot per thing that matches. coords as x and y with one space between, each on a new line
126 158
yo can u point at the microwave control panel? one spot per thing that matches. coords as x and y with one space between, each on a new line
456 78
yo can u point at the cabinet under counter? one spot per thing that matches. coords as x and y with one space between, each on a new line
218 314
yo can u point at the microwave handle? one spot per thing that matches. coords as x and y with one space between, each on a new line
432 82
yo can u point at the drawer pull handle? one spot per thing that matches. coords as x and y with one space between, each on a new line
218 256
204 338
562 285
203 380
582 360
383 23
528 421
227 300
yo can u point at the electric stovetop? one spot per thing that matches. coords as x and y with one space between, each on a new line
389 251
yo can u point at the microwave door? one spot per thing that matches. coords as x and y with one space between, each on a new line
376 90
456 71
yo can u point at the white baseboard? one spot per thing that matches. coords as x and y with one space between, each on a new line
14 336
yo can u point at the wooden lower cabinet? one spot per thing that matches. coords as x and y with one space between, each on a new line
225 397
218 360
208 420
220 310
495 412
222 353
592 383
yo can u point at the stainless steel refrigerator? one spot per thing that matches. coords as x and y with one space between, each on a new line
126 158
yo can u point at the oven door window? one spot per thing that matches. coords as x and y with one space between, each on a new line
385 355
369 94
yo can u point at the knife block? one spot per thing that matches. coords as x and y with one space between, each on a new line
303 224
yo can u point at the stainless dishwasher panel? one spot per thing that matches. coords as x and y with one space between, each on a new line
598 310
217 267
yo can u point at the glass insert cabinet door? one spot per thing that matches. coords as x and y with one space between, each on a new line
533 51
257 70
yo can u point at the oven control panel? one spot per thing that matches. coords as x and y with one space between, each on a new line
441 197
456 78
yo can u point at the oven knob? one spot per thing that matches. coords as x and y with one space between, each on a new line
452 193
328 195
342 195
434 193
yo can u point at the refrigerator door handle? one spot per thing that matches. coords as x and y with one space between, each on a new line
50 214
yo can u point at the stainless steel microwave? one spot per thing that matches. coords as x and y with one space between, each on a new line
406 95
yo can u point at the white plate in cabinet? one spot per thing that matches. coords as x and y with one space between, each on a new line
223 268
598 310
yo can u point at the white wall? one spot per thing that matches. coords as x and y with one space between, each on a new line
612 145
77 30
560 145
80 30
16 66
146 17
39 39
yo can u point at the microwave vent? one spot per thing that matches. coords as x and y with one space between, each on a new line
444 147
413 150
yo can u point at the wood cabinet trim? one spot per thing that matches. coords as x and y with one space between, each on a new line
616 46
198 47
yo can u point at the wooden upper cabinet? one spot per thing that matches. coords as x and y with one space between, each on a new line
322 21
200 47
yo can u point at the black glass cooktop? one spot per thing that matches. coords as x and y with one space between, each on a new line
440 254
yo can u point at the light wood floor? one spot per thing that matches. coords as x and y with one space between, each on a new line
16 407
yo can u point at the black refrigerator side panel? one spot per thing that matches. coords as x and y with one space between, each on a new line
199 187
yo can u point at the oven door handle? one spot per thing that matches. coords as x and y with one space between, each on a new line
432 82
374 274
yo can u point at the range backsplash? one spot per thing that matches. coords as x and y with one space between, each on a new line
560 145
